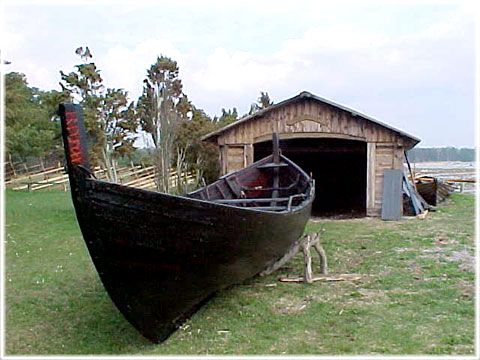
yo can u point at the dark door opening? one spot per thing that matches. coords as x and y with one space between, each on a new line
338 166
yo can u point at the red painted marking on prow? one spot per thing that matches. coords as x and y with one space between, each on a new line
73 138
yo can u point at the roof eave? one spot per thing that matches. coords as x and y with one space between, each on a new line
305 94
249 117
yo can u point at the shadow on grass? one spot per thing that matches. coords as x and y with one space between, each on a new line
70 316
93 325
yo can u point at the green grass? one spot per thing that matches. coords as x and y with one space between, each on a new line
416 294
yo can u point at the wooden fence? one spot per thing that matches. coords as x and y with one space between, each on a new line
14 169
143 177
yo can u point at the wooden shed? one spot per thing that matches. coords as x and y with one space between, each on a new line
345 150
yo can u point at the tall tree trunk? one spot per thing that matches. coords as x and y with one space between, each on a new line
108 162
158 162
181 170
198 171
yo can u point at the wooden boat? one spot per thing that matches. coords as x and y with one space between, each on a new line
160 256
433 190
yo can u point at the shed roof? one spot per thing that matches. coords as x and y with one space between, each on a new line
308 95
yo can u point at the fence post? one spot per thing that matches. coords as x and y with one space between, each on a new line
11 165
42 166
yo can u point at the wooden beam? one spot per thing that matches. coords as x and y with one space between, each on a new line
314 118
315 135
276 161
245 201
398 158
223 159
371 177
249 154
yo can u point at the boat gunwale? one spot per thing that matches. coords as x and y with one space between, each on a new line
293 209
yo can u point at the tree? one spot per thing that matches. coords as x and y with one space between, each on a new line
194 155
264 100
31 126
227 117
85 86
117 123
441 154
160 109
262 103
109 120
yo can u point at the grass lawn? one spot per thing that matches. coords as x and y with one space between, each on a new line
415 296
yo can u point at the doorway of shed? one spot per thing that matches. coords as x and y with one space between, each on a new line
338 166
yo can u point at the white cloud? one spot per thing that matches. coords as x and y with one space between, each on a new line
336 37
238 71
346 53
126 68
339 61
37 76
12 42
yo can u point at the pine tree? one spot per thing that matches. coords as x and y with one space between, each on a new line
262 103
160 109
109 121
31 128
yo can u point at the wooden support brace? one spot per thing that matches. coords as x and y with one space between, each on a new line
307 258
323 259
337 277
312 240
305 243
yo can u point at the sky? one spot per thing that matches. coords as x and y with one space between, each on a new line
408 64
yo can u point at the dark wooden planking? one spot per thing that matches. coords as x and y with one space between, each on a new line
434 190
160 256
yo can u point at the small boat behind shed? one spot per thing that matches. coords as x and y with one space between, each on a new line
433 190
161 256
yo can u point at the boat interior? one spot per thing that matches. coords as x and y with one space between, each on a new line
269 185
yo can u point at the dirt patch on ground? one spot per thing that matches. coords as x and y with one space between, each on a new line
464 257
445 240
290 305
467 261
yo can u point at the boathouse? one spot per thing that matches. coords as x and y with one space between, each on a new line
346 151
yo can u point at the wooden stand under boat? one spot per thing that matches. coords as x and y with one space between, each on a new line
160 256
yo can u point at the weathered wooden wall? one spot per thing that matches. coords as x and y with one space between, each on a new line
385 157
309 118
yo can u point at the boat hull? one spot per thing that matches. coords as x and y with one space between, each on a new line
433 190
161 256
